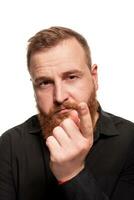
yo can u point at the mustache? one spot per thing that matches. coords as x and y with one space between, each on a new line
66 105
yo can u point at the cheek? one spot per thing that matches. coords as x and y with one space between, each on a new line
82 95
44 101
82 92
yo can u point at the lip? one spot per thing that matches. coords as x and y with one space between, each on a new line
65 110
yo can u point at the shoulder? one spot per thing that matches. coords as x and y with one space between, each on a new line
119 133
112 125
21 141
121 123
22 130
121 127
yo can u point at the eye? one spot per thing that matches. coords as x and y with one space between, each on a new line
44 84
72 77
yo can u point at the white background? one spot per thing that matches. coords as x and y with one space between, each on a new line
109 29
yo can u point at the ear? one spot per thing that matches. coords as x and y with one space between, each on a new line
94 74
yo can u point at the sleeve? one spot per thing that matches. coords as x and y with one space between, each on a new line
82 187
85 187
7 189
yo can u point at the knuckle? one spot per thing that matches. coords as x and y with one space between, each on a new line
49 139
90 142
56 130
65 122
84 146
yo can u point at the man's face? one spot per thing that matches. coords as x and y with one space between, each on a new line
62 79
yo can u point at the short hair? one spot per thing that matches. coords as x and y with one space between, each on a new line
48 38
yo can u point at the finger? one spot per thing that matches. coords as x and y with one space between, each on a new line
86 126
53 145
70 128
74 116
60 135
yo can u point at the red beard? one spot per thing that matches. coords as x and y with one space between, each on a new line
49 121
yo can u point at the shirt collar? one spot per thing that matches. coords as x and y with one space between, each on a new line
106 125
34 125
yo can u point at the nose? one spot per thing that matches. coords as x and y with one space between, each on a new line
60 93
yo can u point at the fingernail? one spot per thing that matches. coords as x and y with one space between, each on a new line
83 106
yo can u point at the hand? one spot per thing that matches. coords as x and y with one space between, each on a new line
70 143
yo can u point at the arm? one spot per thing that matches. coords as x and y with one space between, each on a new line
84 186
7 190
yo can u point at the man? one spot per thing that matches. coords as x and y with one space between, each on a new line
72 149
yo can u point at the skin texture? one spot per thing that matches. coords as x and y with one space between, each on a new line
60 75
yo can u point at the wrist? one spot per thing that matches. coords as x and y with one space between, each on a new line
71 176
62 182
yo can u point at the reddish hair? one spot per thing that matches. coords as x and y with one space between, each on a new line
48 38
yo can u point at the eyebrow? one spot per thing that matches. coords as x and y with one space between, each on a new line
74 71
42 78
64 75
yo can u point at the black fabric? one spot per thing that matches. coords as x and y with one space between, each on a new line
108 173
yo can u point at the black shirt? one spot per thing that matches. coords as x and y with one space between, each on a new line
108 173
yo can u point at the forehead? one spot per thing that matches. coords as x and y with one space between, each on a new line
67 55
